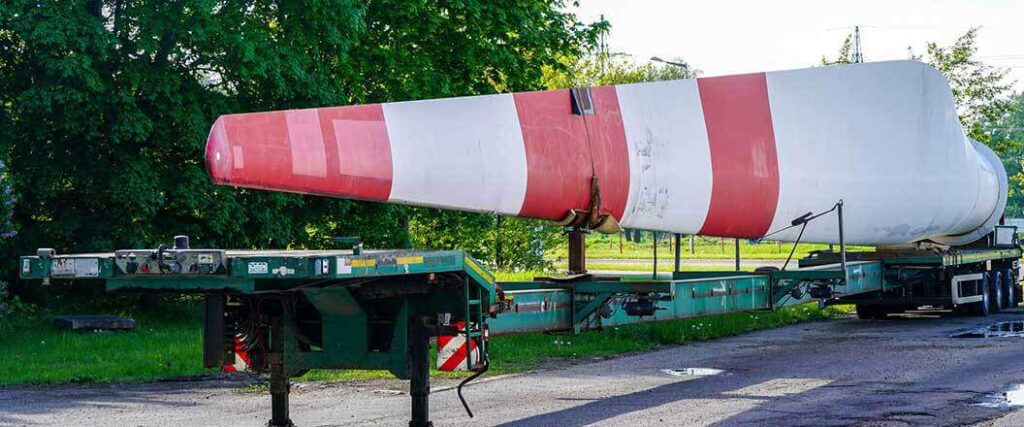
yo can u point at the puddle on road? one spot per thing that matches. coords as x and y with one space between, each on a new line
1006 329
692 372
1013 397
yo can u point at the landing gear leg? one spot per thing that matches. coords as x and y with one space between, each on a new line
419 364
279 386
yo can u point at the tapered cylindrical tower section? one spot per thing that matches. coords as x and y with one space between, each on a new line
732 156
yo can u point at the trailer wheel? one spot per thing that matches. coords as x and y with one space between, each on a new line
1018 293
984 307
1009 291
872 311
995 289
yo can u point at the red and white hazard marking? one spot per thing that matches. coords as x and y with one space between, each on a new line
733 156
451 351
241 359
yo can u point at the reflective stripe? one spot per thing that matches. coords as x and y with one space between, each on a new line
464 153
753 153
564 150
669 159
743 159
341 152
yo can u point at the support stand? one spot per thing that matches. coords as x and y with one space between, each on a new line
419 371
577 251
654 268
677 237
737 242
279 386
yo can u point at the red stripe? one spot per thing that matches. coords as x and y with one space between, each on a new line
745 190
458 357
361 157
453 362
443 340
254 150
558 155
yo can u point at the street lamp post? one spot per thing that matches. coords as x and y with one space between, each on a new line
674 64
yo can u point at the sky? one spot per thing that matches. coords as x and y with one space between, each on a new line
737 36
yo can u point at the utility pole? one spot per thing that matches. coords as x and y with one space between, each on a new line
602 50
858 55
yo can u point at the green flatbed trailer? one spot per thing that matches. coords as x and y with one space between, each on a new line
353 309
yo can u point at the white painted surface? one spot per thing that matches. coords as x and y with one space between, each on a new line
884 137
462 153
669 158
306 142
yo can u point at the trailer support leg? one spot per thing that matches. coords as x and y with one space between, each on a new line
279 385
419 364
577 251
737 242
677 237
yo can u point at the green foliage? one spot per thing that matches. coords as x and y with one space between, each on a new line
164 344
105 105
979 90
14 313
610 69
507 243
169 344
1008 132
525 352
845 54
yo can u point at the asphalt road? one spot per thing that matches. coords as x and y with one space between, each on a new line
900 372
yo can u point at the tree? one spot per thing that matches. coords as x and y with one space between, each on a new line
979 90
610 69
1008 132
845 54
105 104
508 243
981 94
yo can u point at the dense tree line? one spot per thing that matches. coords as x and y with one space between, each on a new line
105 105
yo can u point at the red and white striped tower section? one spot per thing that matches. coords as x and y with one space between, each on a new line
733 156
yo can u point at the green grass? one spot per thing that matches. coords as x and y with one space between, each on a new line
162 346
663 267
516 353
168 344
608 247
522 276
526 352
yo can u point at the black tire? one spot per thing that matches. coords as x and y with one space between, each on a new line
872 311
1018 292
995 289
1009 289
984 307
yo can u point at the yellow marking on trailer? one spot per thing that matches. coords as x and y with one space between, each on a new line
472 265
369 262
409 260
